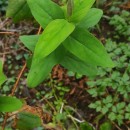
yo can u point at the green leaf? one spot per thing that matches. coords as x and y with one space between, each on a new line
93 105
41 68
105 110
87 48
120 106
112 116
18 10
91 19
120 119
85 126
81 7
42 62
54 34
76 65
30 41
44 11
106 126
2 76
27 121
107 100
125 77
9 104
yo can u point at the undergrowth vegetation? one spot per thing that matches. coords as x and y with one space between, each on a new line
112 86
121 24
63 65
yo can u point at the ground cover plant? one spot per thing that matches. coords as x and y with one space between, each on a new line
121 24
51 56
64 47
111 88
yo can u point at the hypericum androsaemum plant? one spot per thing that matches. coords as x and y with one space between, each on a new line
79 52
65 39
111 89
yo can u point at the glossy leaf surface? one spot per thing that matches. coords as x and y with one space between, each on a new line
44 58
76 65
29 41
18 10
81 7
91 19
87 48
40 69
9 104
54 34
44 11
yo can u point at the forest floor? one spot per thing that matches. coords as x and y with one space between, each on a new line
50 94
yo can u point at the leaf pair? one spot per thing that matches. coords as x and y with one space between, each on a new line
59 56
44 60
64 40
18 10
87 48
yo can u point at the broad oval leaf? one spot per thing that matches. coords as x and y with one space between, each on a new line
30 41
2 76
74 64
27 121
81 7
44 11
18 10
41 68
87 48
9 104
91 19
54 34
